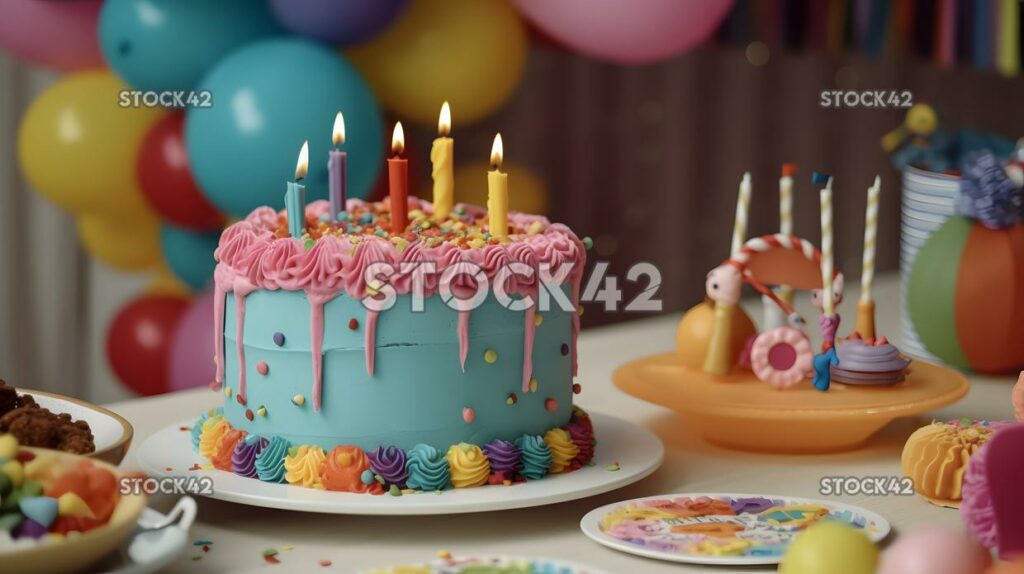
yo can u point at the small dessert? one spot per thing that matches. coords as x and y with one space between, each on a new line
33 425
869 362
936 457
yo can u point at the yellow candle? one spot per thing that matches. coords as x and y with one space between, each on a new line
441 159
497 192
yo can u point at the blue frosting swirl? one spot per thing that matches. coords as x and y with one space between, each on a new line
536 456
427 468
270 461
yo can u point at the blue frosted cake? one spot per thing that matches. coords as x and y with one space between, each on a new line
360 360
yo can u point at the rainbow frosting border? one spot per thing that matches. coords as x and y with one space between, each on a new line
422 468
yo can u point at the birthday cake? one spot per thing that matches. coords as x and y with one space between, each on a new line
338 375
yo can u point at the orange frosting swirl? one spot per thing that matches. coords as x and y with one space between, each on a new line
343 469
225 448
563 450
936 457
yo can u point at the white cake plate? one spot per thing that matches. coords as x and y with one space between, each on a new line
638 453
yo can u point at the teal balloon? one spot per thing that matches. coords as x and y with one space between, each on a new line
189 253
269 97
171 44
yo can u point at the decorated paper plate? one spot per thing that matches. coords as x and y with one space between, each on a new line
722 529
739 411
479 564
626 453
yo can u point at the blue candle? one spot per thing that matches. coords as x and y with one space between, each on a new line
337 164
295 197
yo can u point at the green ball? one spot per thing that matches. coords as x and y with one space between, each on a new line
833 547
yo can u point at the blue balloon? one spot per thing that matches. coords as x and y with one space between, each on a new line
189 253
270 97
342 23
171 44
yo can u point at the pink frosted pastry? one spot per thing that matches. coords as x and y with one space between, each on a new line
976 505
872 362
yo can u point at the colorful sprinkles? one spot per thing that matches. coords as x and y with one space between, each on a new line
491 356
279 339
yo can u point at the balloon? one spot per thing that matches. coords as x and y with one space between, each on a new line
191 363
166 180
139 342
125 244
270 97
635 32
334 22
165 283
170 44
76 146
470 53
58 35
189 254
529 193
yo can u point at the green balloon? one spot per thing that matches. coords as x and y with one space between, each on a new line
931 291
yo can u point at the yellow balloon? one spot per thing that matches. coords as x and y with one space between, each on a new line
469 52
526 192
77 147
122 243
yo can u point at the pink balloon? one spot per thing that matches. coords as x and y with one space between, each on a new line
627 31
58 35
191 363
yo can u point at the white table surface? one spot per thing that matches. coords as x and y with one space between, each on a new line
240 533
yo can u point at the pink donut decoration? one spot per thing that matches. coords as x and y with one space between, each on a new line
782 357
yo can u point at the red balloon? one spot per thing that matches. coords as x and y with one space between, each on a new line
166 179
139 342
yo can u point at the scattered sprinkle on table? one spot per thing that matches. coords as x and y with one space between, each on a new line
185 429
270 556
444 554
168 469
613 467
194 467
287 548
324 563
197 558
202 542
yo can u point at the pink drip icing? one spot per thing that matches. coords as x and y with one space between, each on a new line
240 295
577 278
529 330
462 330
316 336
371 339
218 332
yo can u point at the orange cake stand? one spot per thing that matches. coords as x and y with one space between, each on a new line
738 411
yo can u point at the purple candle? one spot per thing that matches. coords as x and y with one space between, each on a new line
337 163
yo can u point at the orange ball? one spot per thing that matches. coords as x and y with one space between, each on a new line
696 326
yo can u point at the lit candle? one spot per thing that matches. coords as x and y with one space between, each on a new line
441 158
337 165
497 192
398 182
866 306
295 197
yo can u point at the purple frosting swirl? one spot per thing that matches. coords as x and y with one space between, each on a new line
389 463
504 456
243 458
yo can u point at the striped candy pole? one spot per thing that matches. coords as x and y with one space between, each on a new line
718 360
866 306
773 314
827 302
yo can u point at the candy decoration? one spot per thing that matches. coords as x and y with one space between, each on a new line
551 405
299 400
963 296
29 529
538 319
42 509
353 323
533 385
279 339
576 388
262 411
227 391
8 446
248 414
14 471
781 357
468 414
512 399
565 349
71 504
490 355
262 368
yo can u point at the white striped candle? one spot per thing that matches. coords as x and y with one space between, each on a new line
827 302
739 230
867 275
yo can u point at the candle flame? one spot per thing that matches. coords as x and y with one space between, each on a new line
398 139
303 164
444 120
497 152
338 137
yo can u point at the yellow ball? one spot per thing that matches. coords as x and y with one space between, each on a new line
694 333
8 446
128 244
78 148
470 53
921 119
832 547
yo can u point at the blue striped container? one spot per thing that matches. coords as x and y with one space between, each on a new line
929 199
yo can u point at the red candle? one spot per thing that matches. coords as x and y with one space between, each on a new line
398 182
